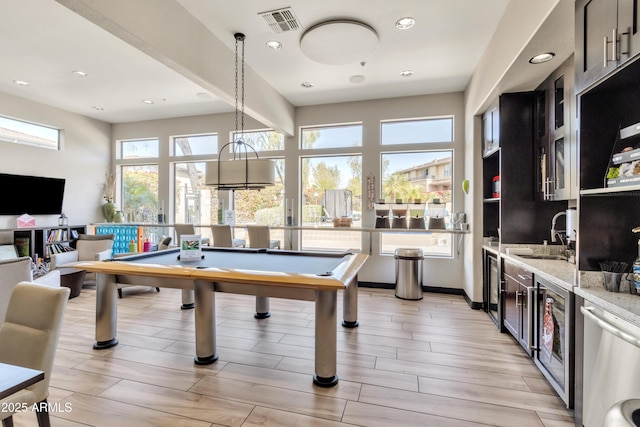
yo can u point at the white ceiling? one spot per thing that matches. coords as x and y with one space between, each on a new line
42 42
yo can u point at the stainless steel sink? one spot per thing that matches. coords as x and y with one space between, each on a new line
548 257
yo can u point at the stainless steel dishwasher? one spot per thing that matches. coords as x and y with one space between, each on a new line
611 370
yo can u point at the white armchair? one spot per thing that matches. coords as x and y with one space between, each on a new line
29 337
13 271
88 248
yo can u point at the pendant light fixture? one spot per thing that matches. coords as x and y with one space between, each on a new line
245 170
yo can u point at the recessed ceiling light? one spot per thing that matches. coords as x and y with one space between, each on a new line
542 57
147 101
306 85
273 44
98 108
405 23
358 78
80 73
406 73
204 95
22 83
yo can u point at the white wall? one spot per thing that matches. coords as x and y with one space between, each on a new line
521 20
83 160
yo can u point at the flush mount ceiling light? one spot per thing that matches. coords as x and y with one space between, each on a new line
542 58
98 108
357 78
241 172
405 23
306 85
406 73
147 101
339 42
274 44
22 83
79 73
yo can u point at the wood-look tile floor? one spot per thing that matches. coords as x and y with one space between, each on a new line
433 362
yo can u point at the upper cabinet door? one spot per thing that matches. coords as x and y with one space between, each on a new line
628 34
597 40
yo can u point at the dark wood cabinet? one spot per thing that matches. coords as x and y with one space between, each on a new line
555 152
606 37
516 213
517 288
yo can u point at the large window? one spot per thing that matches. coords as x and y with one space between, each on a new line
194 203
331 189
19 132
417 131
262 140
140 193
421 182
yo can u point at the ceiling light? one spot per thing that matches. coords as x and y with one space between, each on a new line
147 101
355 79
241 172
80 73
339 42
273 44
22 83
542 58
405 23
98 108
306 85
406 73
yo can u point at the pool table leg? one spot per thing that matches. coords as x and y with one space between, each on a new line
350 305
326 317
205 316
106 311
262 308
187 299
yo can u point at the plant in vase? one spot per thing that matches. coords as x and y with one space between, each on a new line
108 193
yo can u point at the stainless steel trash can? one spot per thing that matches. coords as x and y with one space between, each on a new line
408 273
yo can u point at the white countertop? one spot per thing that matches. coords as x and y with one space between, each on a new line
564 274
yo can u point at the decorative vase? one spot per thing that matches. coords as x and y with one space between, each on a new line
109 211
118 216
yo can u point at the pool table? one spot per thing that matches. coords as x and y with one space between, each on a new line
310 276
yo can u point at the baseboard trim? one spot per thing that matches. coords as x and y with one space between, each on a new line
433 289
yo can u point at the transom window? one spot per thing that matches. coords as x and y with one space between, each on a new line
195 145
20 132
339 136
262 140
417 131
140 148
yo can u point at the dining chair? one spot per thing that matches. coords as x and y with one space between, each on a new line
223 237
187 229
260 237
29 338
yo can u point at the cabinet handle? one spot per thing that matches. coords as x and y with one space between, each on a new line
614 45
606 49
628 34
532 303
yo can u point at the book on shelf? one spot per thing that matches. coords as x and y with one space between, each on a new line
22 245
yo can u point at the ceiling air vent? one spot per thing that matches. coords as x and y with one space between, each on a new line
281 20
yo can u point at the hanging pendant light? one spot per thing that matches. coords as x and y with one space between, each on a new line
245 170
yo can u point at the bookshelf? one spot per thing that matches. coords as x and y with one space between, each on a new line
44 241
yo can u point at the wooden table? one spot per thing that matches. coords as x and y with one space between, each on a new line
14 378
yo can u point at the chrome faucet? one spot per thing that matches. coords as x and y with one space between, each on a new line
555 232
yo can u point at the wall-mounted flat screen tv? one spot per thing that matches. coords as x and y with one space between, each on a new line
33 195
